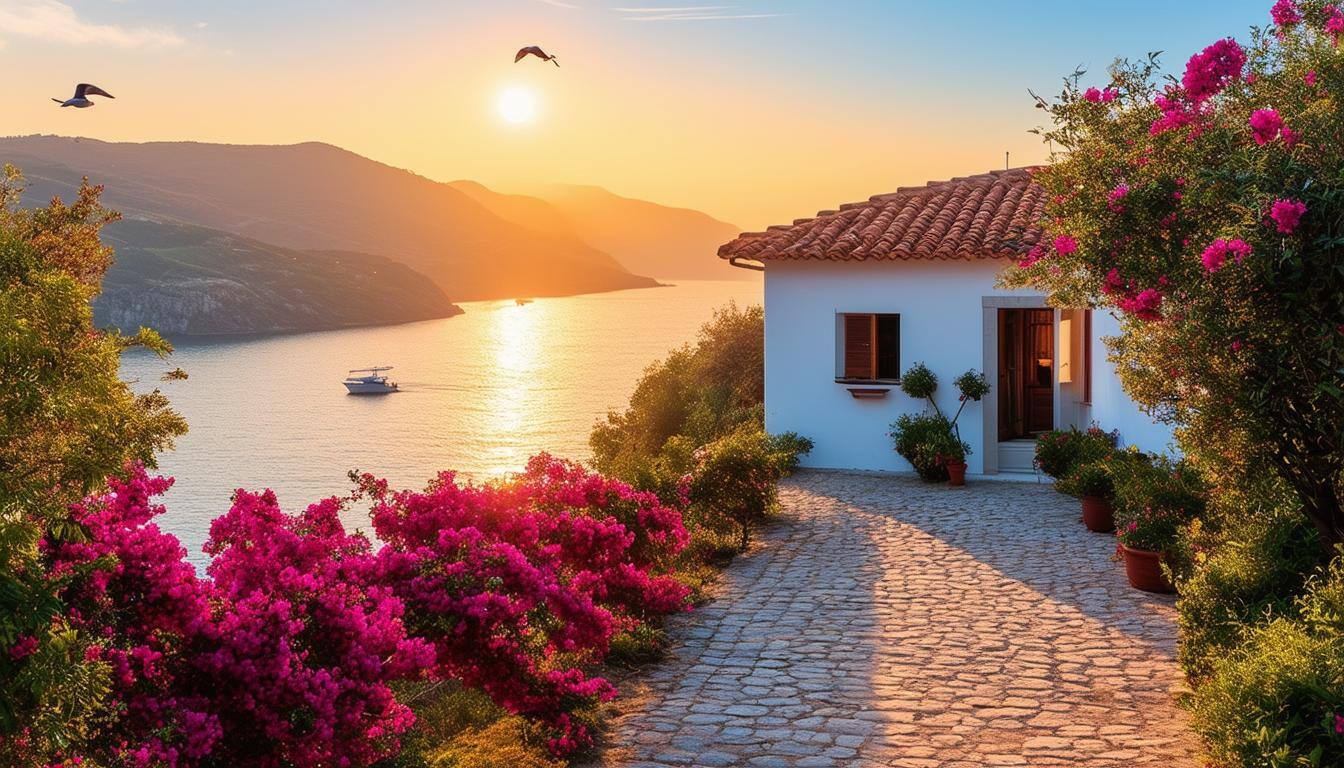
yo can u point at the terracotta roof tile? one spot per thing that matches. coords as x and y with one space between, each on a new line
991 216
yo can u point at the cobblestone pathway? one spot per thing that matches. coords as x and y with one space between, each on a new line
884 622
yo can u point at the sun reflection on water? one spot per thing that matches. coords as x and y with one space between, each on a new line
518 336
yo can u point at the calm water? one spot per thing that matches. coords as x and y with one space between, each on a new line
481 392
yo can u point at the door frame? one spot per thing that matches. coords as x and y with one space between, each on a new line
990 306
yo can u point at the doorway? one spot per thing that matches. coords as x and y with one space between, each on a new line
1026 373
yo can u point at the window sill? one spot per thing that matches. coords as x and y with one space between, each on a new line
869 382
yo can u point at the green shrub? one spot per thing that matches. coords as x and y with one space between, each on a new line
1250 576
732 486
919 382
972 385
926 441
698 393
1278 700
1154 502
1092 479
1059 451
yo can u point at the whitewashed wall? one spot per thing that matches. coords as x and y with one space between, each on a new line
1111 409
942 325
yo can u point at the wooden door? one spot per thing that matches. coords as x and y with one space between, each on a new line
1026 372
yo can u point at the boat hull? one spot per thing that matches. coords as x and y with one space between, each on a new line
369 388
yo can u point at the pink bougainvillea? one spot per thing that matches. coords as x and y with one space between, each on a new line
285 655
1100 96
1265 125
1209 71
1286 215
1285 13
1220 250
1065 245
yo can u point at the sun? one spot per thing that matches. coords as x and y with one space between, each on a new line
517 105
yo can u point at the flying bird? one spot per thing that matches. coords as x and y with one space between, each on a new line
82 93
534 50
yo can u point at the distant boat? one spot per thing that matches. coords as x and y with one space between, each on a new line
521 302
371 382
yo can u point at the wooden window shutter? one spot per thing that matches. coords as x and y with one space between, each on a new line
860 351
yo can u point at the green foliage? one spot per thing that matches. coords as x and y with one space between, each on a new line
972 385
1091 479
1248 577
926 441
66 422
1277 701
463 728
919 382
1154 502
1059 451
733 482
692 397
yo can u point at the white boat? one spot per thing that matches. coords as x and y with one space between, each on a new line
369 381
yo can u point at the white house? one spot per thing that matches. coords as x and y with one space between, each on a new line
856 296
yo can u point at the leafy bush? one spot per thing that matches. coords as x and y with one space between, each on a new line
732 485
926 441
692 397
1155 502
1059 451
1251 577
1278 700
67 422
919 382
1092 479
972 385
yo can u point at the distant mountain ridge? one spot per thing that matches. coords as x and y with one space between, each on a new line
319 197
646 238
184 280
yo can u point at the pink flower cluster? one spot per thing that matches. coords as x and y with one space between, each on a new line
1145 304
1285 13
1287 214
1100 96
1115 198
286 654
1266 125
1334 23
1220 250
507 580
1207 73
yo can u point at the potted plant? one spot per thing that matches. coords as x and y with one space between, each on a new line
1094 486
1153 503
1144 542
923 440
931 442
1059 451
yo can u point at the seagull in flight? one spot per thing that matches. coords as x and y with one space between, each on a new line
534 50
81 97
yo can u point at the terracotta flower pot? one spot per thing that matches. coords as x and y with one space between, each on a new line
1144 570
1098 515
956 473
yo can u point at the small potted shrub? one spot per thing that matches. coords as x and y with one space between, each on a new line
1093 485
923 439
931 442
1060 450
1145 540
1154 502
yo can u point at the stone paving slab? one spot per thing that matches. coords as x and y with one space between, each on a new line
884 622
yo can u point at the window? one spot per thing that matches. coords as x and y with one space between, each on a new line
871 347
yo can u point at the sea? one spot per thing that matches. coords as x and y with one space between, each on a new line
480 393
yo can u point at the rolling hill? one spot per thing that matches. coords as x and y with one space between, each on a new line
319 197
185 280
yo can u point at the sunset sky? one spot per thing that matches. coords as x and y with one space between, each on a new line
756 111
